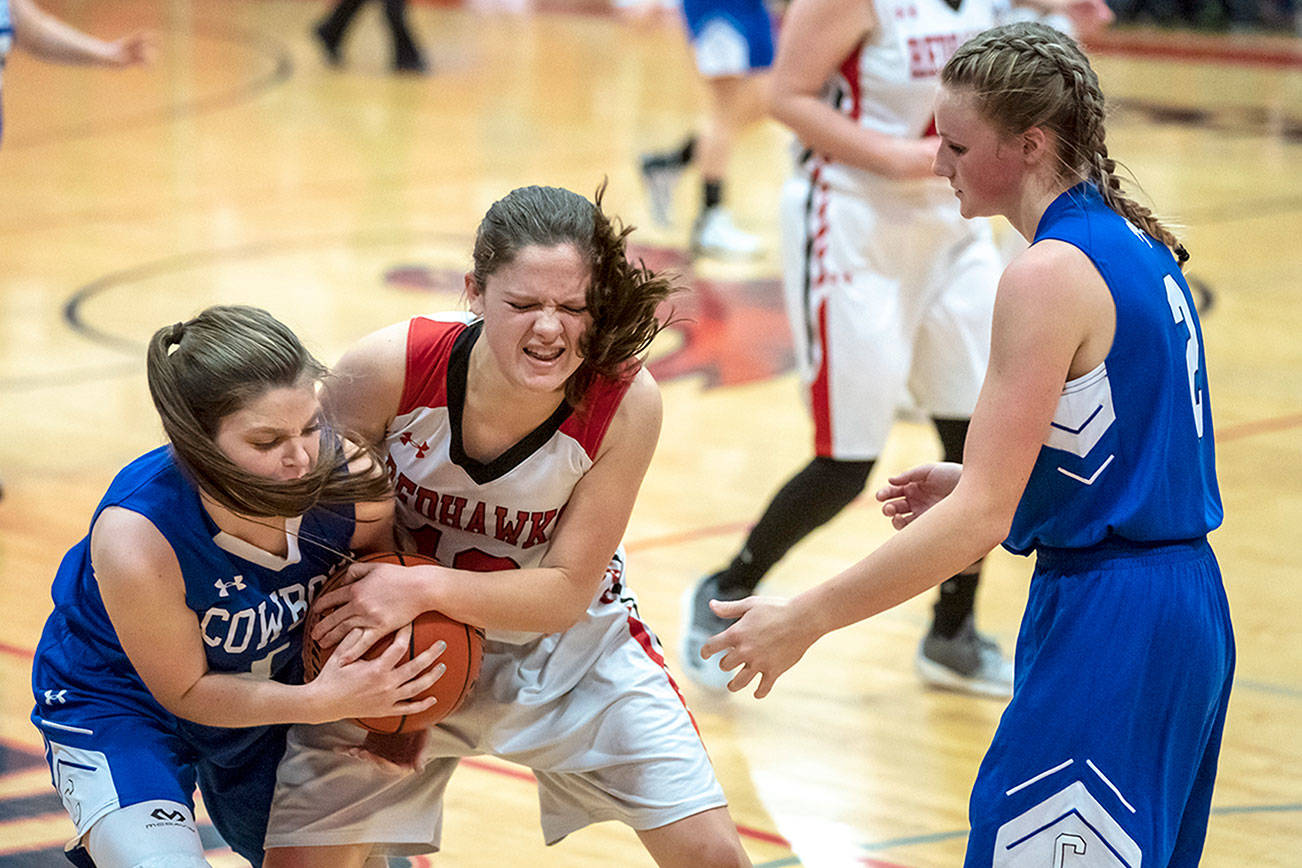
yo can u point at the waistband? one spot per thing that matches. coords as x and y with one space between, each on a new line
1121 553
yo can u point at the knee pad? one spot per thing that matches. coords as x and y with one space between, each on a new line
154 834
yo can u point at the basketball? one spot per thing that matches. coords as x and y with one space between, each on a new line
462 657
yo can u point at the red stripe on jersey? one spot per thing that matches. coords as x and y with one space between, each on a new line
429 344
589 424
850 72
818 393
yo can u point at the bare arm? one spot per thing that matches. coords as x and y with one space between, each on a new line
1052 315
365 389
547 598
133 563
45 36
816 38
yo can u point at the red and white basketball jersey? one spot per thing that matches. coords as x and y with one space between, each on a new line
888 83
472 515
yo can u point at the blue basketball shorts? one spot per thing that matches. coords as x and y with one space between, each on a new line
1106 754
105 755
729 37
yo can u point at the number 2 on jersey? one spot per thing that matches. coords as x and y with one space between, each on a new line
1180 311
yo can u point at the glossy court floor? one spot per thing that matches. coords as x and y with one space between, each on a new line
238 168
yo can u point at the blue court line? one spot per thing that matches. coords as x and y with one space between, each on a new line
1258 809
1266 687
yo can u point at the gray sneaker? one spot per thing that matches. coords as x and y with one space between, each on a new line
969 662
699 624
660 176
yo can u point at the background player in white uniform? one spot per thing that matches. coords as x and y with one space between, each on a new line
517 444
888 289
1092 445
174 646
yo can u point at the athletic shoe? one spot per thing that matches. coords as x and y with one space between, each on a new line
714 234
968 662
660 174
699 624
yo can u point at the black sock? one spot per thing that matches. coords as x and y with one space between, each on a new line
957 597
711 193
688 151
809 500
954 604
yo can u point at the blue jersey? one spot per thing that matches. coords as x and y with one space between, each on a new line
6 30
1130 454
248 603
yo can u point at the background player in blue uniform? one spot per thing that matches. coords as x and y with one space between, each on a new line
174 649
1092 445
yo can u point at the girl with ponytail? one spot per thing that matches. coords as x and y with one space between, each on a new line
173 653
1092 446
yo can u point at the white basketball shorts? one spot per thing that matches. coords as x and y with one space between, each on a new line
890 300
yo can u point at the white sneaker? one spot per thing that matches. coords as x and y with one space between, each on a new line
699 624
967 662
714 234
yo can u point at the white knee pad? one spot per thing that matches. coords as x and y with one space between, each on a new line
154 834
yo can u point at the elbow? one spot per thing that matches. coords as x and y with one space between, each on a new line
991 527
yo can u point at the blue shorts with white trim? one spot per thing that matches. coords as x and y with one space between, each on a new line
1107 752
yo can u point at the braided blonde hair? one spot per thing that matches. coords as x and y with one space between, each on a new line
1028 74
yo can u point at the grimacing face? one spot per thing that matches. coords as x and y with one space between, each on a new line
277 435
535 315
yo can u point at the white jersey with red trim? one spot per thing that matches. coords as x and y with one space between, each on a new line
888 83
469 514
591 709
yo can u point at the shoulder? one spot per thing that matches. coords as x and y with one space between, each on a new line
1051 273
640 412
379 349
125 544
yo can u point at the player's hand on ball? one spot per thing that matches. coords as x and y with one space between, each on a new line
375 598
379 687
765 641
915 491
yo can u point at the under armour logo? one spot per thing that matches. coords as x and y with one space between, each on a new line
223 587
55 697
407 440
163 814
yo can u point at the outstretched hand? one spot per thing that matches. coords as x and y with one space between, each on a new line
765 641
915 491
136 49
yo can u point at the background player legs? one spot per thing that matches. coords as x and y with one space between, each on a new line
952 654
736 102
407 56
732 42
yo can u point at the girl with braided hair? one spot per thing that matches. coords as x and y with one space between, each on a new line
173 652
517 437
1091 445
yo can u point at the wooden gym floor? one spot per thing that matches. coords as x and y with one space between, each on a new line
240 169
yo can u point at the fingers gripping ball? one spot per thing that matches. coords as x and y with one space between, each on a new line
464 653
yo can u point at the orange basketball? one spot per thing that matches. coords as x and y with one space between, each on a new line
464 653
